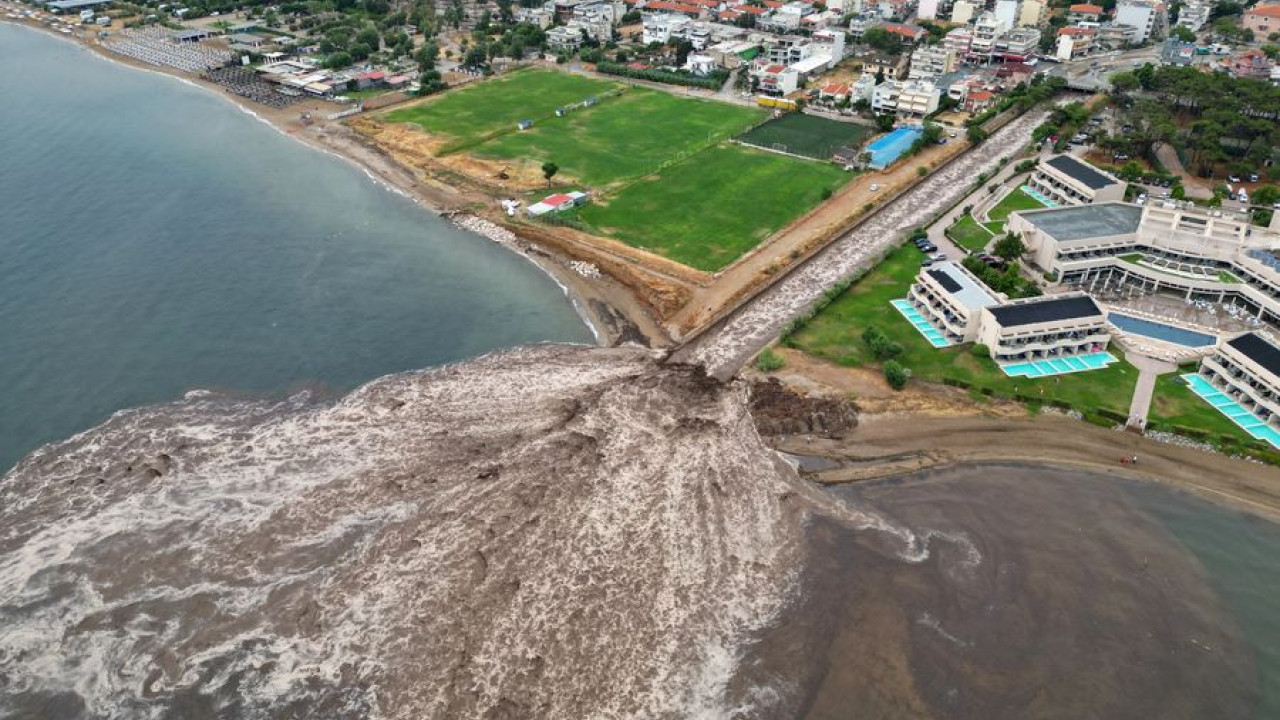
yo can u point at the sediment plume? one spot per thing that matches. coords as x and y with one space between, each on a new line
547 532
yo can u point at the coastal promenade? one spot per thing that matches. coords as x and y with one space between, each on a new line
725 347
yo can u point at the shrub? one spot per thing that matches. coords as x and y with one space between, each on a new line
880 345
980 350
769 361
896 375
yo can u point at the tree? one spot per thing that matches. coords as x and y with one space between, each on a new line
1266 195
895 374
884 123
1010 247
975 134
1183 33
882 40
549 171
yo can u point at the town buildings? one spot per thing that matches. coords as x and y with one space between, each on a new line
1144 16
931 61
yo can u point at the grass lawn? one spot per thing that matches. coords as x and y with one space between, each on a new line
968 234
808 135
366 93
623 137
1014 201
477 110
711 209
835 334
1174 403
996 228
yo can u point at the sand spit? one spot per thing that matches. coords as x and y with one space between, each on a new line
542 533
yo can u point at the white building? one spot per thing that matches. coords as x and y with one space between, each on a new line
1043 327
930 61
964 11
1068 181
1032 13
1144 16
987 29
658 27
914 97
952 299
1006 12
1195 15
959 40
1022 42
1171 249
1247 369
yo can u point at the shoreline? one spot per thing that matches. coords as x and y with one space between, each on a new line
606 307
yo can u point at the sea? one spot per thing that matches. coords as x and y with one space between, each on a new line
157 239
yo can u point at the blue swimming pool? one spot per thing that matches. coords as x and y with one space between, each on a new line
923 326
890 147
1059 366
1234 411
1160 331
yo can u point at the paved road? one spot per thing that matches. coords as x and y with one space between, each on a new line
1148 370
731 343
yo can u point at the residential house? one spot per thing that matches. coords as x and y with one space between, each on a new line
978 100
893 67
896 10
1084 12
1033 13
1251 63
987 30
1263 20
910 34
1114 35
1018 44
914 97
564 38
660 26
834 93
777 79
1074 42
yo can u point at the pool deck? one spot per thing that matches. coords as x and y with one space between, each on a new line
1233 410
936 337
1049 367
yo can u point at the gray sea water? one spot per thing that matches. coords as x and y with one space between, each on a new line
154 239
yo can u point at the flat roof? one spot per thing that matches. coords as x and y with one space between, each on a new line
73 4
1257 349
1048 309
1081 171
962 287
1079 222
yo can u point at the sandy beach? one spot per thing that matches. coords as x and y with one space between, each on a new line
607 306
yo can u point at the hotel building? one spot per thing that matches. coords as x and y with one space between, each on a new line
1118 250
1043 327
951 298
1247 369
1068 181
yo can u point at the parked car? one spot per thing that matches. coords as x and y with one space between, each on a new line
937 257
928 249
1253 177
1233 178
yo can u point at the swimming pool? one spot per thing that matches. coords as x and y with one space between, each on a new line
923 326
890 147
1035 194
1160 331
1234 411
1059 366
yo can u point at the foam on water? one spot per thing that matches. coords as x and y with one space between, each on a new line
550 532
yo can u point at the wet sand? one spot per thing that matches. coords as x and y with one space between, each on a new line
1082 606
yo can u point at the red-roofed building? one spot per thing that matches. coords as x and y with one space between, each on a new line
712 4
665 6
834 92
1074 42
1084 12
772 4
978 100
910 33
372 79
1252 63
751 10
1263 20
1015 72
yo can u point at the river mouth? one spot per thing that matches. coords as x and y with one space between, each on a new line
1083 605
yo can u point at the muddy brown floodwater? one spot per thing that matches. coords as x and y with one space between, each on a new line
1083 606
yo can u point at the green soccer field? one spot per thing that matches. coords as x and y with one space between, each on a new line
709 210
623 137
807 135
473 112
